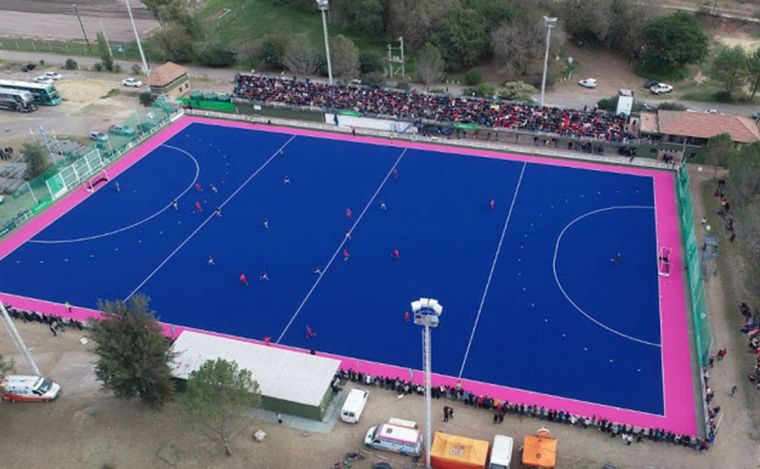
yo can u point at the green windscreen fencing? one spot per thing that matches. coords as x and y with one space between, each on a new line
692 257
73 169
208 105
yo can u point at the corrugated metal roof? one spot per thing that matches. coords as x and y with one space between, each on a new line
281 374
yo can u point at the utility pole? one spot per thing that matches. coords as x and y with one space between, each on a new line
146 70
323 6
396 63
550 23
17 339
81 25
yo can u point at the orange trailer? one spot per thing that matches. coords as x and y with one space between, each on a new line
458 452
540 450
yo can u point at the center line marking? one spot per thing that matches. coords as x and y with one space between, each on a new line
340 246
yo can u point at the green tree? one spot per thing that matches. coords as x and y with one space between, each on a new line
301 58
674 41
429 65
105 52
753 71
461 37
133 354
216 54
363 16
730 68
345 57
218 399
371 61
719 151
36 158
414 19
272 51
175 44
744 175
517 91
492 11
518 46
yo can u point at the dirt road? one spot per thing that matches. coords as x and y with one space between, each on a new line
55 19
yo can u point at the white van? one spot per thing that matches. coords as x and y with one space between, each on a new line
354 405
19 388
501 452
389 437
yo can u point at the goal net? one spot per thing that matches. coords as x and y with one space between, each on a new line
96 181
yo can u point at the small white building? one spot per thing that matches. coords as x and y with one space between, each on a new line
294 383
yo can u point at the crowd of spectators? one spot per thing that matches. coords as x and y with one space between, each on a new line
6 154
500 409
414 105
55 323
751 330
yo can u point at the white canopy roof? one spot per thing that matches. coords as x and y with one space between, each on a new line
281 374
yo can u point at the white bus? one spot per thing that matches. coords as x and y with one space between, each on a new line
17 100
44 94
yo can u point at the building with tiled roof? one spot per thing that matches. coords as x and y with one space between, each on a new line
695 128
169 79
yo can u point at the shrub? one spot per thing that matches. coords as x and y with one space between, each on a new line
484 90
473 77
42 62
516 91
670 106
146 99
98 67
116 68
136 69
608 104
70 64
373 78
403 85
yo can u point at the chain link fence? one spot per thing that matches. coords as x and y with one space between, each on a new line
72 169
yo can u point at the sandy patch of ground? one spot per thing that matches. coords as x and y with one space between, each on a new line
81 90
746 41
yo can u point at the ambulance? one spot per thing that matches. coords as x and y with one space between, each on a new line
20 388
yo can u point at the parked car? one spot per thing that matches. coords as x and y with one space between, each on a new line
53 75
43 79
131 82
98 136
650 83
122 129
712 111
28 67
20 388
588 83
661 88
755 115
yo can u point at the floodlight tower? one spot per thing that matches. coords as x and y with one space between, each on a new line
323 6
550 23
427 312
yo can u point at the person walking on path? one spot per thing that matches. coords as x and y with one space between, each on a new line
733 390
445 413
279 418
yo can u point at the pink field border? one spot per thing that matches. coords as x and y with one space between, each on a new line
680 413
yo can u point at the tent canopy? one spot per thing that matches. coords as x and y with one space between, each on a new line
540 450
454 452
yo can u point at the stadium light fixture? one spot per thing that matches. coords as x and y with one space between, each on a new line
550 23
323 6
427 313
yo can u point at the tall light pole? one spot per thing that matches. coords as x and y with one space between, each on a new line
550 23
427 312
6 319
146 70
323 6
